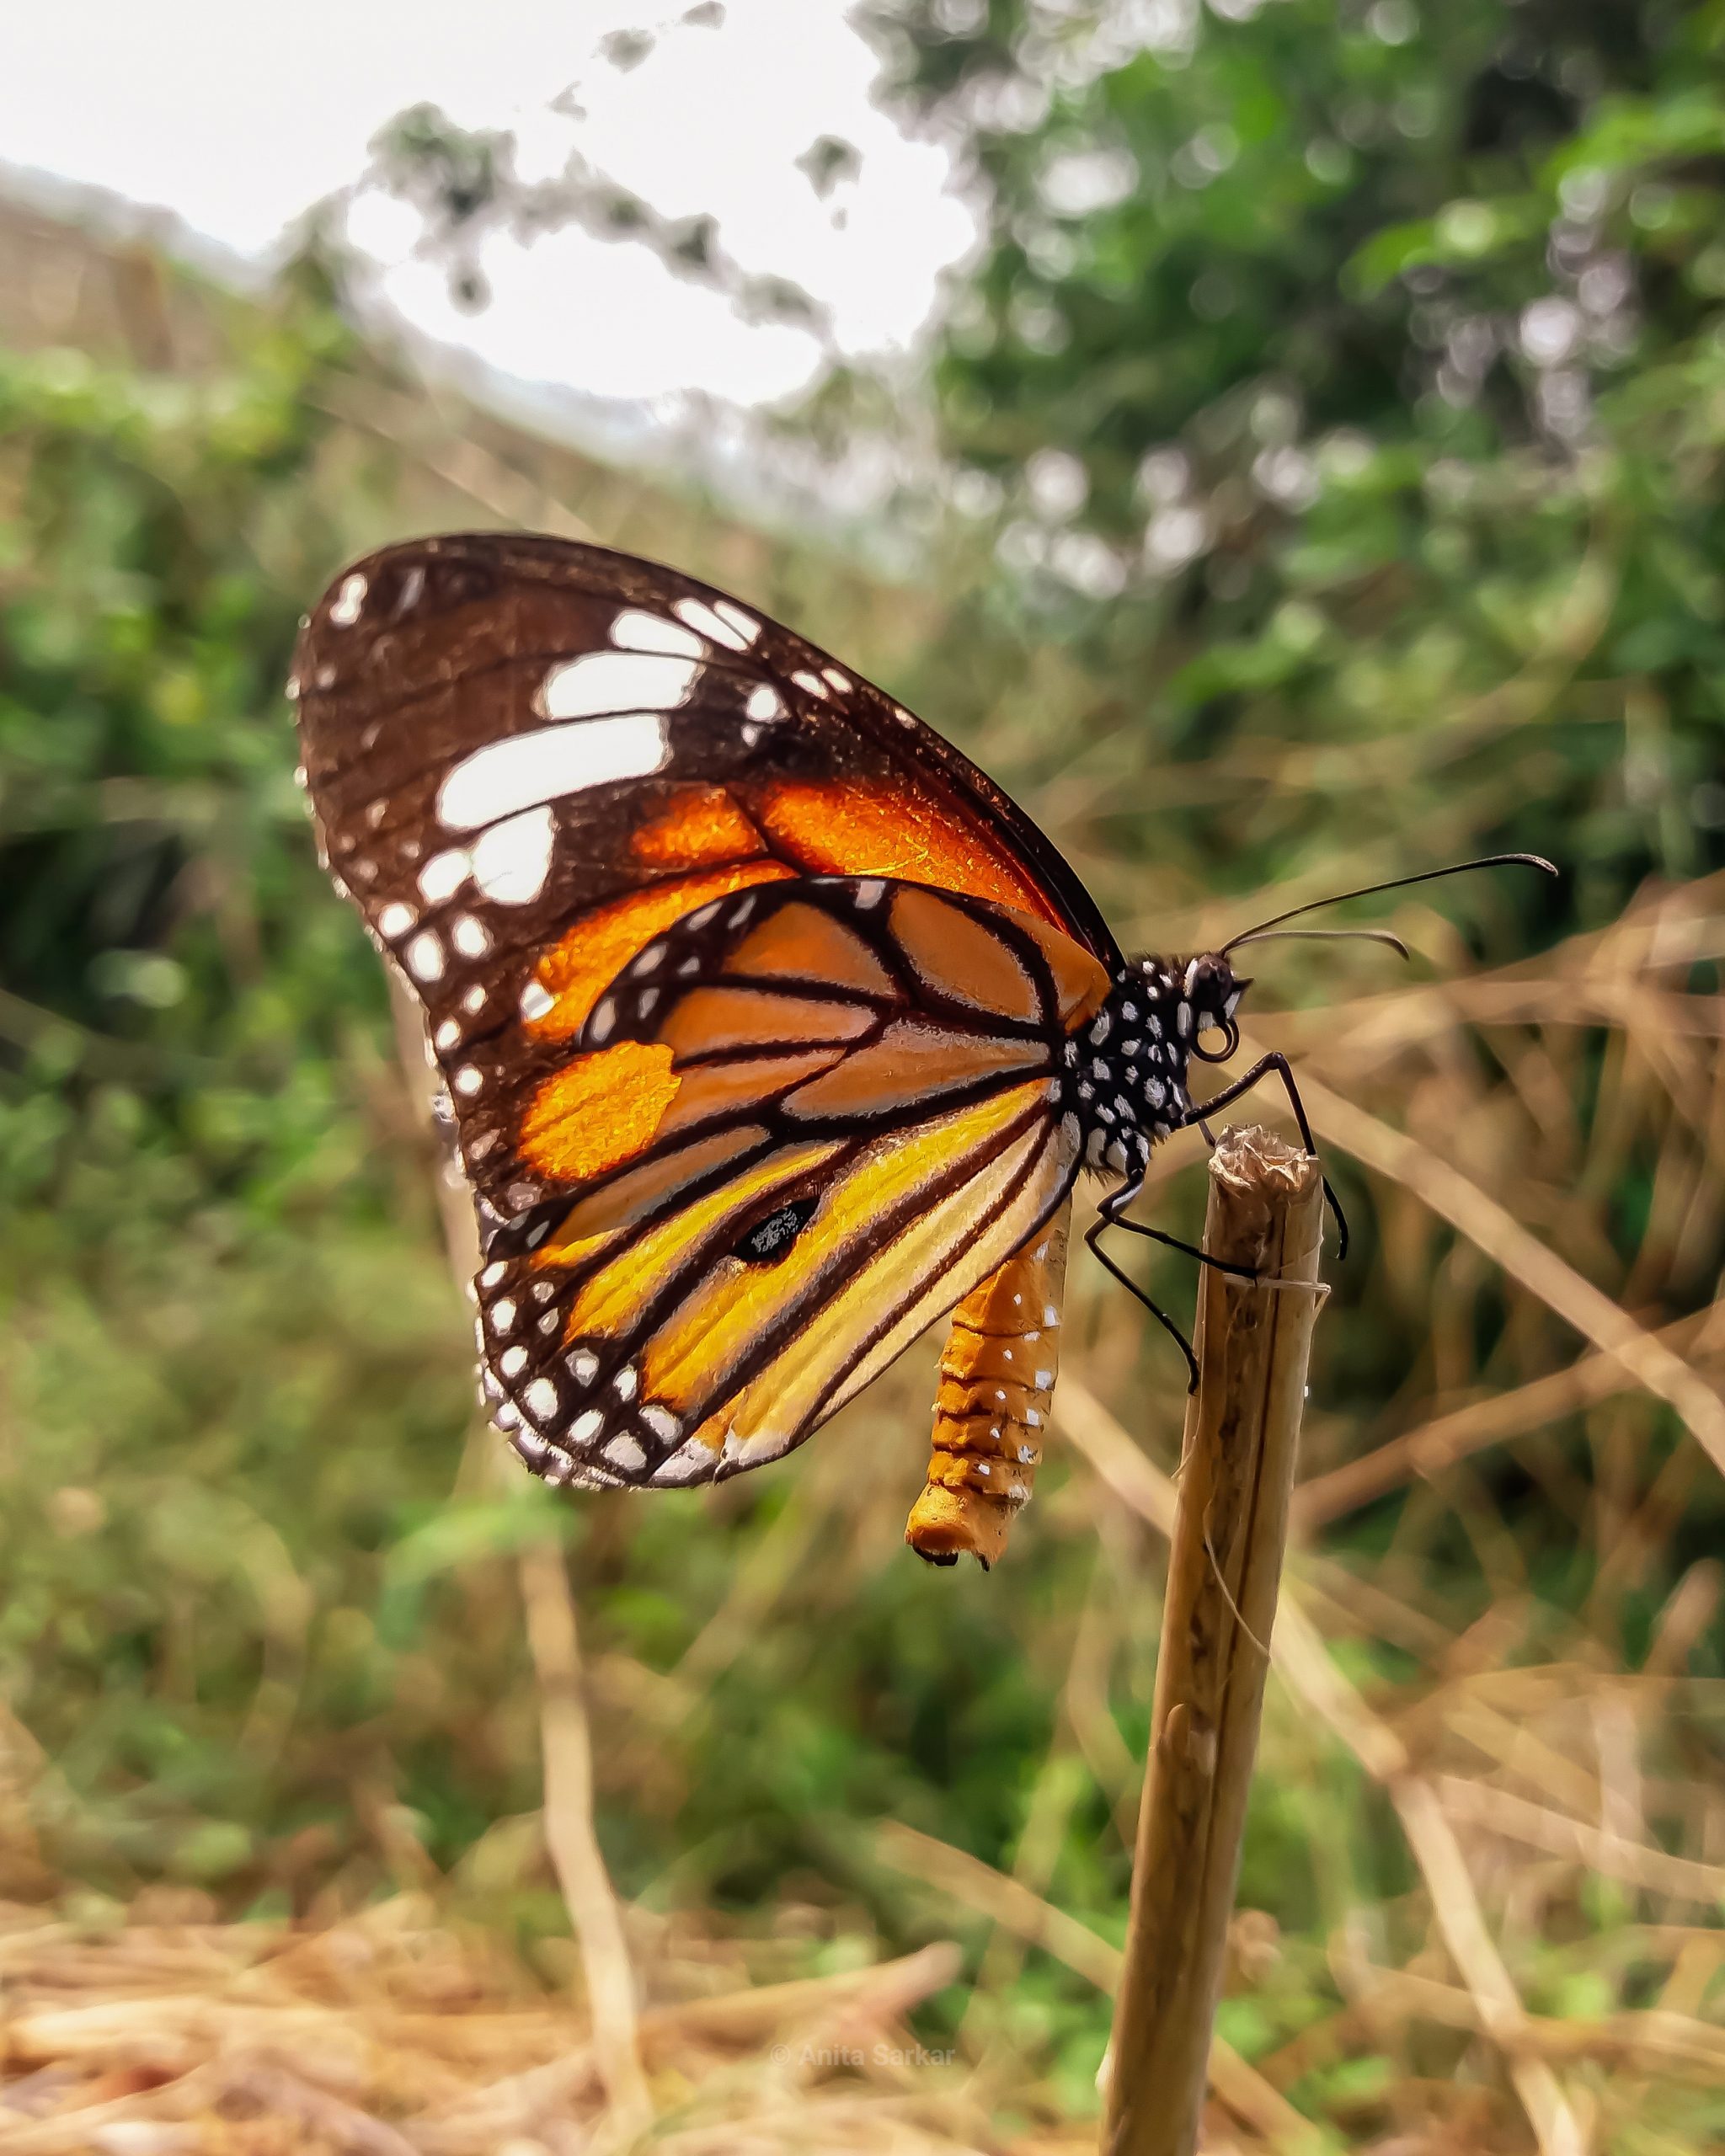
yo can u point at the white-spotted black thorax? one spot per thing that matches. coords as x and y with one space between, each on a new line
1125 1081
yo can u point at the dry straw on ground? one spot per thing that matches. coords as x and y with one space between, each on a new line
393 2036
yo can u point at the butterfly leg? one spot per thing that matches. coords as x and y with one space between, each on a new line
1090 1235
1260 1070
1112 1218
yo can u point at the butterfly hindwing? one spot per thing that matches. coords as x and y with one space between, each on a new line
721 1335
848 1079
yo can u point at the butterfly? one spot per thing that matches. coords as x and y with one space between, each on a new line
771 1029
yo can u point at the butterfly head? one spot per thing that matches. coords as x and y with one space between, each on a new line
1210 990
1191 999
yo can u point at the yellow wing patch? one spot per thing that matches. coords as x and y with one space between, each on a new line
609 1302
694 1360
957 1242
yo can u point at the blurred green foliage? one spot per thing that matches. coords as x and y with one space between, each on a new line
1364 370
1335 418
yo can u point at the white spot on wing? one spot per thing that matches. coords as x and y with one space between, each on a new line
470 937
634 629
625 1453
444 874
687 1465
395 919
710 623
467 1081
506 776
812 682
344 607
745 625
601 683
512 1361
765 703
425 957
512 859
540 1400
535 1001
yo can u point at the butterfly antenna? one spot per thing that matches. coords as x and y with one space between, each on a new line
1395 883
1322 936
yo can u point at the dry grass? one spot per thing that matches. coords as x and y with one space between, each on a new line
176 2036
1543 1968
1494 1750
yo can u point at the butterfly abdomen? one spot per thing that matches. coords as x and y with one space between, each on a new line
997 1373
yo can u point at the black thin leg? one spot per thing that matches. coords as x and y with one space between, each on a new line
1260 1070
1126 1281
1172 1242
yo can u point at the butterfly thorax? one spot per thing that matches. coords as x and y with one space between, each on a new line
1125 1072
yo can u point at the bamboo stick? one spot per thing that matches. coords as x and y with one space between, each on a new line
1242 1432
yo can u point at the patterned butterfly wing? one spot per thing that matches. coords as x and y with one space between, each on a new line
536 767
802 1123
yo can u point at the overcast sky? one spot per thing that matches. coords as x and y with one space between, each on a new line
235 118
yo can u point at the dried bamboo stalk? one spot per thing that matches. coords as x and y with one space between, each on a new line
1242 1432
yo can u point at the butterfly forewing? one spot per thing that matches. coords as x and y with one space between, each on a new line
748 989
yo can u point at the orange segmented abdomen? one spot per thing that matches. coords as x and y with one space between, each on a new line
997 1373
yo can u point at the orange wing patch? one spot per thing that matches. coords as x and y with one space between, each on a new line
910 1063
995 1376
848 827
707 1020
621 1202
805 942
577 971
1081 983
597 1111
699 827
736 1086
960 958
